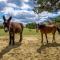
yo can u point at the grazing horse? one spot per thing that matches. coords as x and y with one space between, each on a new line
45 29
13 28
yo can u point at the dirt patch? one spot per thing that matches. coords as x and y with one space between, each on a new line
30 49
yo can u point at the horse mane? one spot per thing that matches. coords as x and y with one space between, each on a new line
21 24
41 26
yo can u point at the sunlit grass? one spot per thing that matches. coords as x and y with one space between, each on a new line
26 31
29 31
2 32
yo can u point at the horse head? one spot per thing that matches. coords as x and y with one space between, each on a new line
37 27
6 23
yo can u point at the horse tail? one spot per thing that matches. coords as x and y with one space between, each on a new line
58 29
22 26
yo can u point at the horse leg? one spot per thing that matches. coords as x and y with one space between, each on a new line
10 38
13 38
53 37
20 37
46 37
42 38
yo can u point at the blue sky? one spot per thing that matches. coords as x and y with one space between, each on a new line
21 10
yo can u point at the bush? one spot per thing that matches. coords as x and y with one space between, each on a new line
31 25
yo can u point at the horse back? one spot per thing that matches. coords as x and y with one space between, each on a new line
49 29
16 27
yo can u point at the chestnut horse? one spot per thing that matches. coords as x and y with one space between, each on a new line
13 28
45 29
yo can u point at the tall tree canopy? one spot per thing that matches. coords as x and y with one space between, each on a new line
46 5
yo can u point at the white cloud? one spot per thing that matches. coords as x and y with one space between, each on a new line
28 15
8 10
25 6
46 15
58 12
12 5
3 1
25 0
25 12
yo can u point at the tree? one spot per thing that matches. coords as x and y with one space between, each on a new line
57 19
31 25
46 5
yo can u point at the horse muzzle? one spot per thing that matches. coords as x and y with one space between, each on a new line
6 30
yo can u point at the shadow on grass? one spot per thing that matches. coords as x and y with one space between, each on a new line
8 48
47 45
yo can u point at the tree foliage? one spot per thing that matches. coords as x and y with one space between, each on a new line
57 19
46 5
31 25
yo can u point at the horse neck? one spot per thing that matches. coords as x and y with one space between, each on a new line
9 26
41 26
22 26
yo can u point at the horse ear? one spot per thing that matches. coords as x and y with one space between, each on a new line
9 18
4 18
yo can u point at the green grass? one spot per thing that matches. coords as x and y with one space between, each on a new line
29 31
2 33
26 31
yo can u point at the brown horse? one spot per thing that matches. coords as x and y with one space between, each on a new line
13 28
45 29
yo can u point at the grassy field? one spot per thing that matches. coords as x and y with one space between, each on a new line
31 47
26 31
2 32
